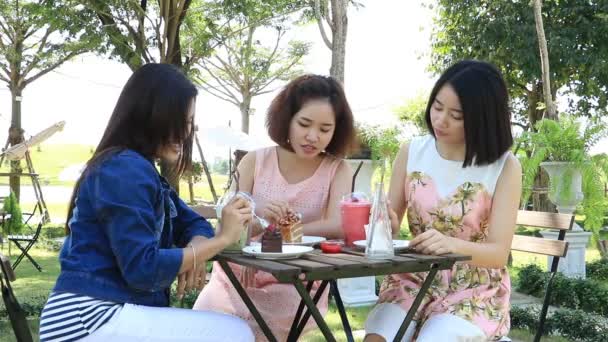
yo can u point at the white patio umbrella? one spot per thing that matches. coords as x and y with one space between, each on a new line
231 138
17 152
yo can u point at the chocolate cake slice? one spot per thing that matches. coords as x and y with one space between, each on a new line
272 241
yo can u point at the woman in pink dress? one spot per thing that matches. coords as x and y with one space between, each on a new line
460 186
312 124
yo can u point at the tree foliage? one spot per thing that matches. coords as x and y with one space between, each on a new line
243 66
413 112
36 37
503 32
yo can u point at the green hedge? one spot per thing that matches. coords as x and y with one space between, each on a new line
52 231
31 305
575 325
598 269
589 295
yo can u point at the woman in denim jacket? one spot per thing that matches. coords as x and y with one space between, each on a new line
129 234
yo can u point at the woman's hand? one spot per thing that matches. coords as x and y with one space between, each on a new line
236 215
432 242
275 210
190 280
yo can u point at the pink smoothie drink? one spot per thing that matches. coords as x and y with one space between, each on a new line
355 215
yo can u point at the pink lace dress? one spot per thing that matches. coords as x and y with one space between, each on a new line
442 195
276 302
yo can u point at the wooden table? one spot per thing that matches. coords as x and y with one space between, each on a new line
328 268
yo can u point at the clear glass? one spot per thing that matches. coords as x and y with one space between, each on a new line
246 234
379 240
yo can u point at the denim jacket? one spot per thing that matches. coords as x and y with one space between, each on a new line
124 228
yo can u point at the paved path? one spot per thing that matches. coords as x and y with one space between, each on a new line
51 193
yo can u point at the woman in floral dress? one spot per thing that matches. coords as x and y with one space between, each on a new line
460 187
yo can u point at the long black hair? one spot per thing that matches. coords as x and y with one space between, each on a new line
151 112
484 98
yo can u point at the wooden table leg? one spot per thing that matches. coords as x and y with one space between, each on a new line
314 311
307 313
336 293
293 331
414 308
245 297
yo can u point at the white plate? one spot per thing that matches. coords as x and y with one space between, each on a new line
398 244
307 240
289 252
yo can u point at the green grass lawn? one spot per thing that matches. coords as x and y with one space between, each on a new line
201 192
31 286
50 160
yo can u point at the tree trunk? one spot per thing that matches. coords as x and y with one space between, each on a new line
245 108
544 60
603 248
540 196
339 30
540 199
15 137
206 169
534 97
173 55
191 189
166 168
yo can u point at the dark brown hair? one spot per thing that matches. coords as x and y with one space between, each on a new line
291 99
151 112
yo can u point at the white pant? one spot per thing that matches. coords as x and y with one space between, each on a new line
385 320
145 323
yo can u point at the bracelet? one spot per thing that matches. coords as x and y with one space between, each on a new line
194 257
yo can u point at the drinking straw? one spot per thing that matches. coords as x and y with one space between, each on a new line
352 187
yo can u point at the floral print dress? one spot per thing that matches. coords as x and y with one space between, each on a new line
441 195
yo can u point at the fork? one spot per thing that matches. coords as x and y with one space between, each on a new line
262 221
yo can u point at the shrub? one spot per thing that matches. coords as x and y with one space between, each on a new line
587 294
31 305
575 325
532 280
52 231
15 223
598 269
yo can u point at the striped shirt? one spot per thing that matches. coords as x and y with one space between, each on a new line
70 316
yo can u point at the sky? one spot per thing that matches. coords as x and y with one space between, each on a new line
386 61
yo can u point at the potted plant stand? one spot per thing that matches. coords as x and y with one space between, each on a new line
573 265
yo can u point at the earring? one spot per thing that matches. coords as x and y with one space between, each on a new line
288 141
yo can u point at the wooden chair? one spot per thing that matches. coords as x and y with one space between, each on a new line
537 245
16 314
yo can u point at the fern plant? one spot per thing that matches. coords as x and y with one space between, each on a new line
566 141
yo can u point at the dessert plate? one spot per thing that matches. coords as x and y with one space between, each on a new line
399 245
289 252
307 240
